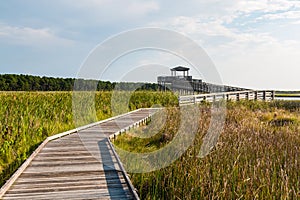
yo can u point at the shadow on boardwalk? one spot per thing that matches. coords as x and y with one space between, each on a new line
113 181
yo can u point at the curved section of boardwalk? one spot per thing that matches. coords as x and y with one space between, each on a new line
81 165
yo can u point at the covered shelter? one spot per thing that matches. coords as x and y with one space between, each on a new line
185 71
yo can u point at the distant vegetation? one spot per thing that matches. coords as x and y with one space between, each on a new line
287 94
256 157
13 82
27 118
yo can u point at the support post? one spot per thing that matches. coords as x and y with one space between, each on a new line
273 95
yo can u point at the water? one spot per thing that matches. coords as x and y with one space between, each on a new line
288 98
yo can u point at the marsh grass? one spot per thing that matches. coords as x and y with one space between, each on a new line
256 157
28 118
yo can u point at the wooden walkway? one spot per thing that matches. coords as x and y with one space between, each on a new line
77 165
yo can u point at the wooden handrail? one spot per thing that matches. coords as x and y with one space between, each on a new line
264 95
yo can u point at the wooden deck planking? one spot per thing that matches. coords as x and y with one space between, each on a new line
81 165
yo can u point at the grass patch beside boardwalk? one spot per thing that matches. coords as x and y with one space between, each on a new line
256 157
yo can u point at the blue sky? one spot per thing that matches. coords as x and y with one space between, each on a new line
253 43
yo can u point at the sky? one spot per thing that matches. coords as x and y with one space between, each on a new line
252 43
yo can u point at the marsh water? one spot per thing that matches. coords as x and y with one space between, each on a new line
288 98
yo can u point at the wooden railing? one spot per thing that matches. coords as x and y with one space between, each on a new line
265 95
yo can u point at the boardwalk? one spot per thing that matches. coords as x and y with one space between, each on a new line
80 165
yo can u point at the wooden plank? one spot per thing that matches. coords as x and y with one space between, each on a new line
103 179
64 182
80 194
70 187
65 175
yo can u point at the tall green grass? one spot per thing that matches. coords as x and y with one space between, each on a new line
28 118
254 158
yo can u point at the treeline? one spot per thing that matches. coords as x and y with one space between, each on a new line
14 82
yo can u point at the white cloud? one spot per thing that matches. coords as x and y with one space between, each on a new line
140 8
227 11
113 8
270 66
208 30
295 22
248 6
295 14
31 37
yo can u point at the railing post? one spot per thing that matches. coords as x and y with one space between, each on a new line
237 96
255 95
247 95
264 95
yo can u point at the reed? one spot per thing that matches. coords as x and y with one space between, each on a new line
255 157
